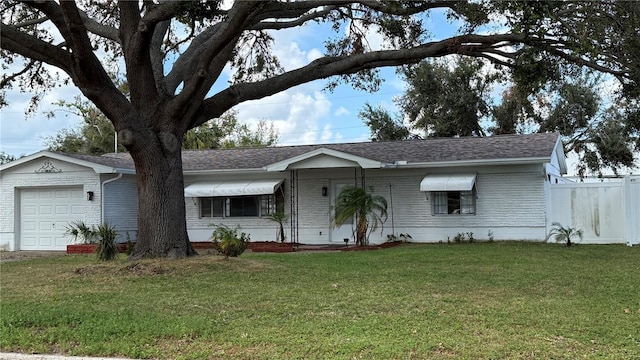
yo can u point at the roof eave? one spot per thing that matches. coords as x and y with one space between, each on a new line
99 169
223 171
558 151
484 162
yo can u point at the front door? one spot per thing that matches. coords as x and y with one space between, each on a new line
344 231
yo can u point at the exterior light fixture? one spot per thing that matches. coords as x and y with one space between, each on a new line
89 195
324 191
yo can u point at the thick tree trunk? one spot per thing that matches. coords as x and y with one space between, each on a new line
162 225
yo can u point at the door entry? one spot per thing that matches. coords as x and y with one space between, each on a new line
344 231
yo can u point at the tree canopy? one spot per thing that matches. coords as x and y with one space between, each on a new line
172 53
454 98
96 135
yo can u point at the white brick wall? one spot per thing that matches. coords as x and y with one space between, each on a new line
24 176
510 204
259 229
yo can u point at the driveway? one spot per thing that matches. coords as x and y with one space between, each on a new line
26 255
14 356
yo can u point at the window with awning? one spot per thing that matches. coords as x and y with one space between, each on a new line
451 194
448 182
232 188
249 198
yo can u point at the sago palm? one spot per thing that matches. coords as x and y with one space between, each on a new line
564 234
280 218
370 211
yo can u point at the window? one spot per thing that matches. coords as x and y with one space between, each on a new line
241 206
454 202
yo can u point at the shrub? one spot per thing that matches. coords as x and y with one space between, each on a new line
459 238
230 242
470 237
401 237
107 248
81 233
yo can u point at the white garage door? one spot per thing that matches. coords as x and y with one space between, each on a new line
44 215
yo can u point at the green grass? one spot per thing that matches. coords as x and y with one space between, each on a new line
471 301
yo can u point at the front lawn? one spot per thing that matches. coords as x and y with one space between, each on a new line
469 301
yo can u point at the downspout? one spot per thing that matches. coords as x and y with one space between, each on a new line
102 195
393 226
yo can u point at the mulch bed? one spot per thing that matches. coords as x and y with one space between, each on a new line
270 246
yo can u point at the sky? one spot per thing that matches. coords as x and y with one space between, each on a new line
305 114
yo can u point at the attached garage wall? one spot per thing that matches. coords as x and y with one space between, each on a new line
44 216
29 180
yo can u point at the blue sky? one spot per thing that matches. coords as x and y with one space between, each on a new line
302 115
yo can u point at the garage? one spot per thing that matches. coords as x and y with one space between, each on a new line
44 215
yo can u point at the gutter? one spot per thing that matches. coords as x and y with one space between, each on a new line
512 161
224 171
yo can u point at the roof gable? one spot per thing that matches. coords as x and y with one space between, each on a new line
48 167
323 158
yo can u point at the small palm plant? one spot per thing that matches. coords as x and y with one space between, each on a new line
279 217
370 211
564 234
107 247
81 232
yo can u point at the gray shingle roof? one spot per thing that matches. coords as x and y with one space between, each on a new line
501 147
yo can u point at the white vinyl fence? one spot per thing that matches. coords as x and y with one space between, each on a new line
608 213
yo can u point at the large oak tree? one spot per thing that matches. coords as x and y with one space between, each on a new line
174 52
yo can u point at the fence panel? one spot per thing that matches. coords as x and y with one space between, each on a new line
633 210
596 208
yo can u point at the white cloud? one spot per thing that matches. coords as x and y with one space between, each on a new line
341 111
327 134
20 134
296 113
314 54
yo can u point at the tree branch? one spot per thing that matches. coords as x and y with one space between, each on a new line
240 16
31 22
344 65
28 46
6 79
95 27
279 25
136 38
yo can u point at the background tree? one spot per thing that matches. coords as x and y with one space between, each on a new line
5 158
382 126
96 135
174 52
604 135
447 99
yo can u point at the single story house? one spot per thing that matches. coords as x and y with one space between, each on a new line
494 187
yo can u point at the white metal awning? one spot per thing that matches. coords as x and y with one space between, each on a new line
232 188
464 182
